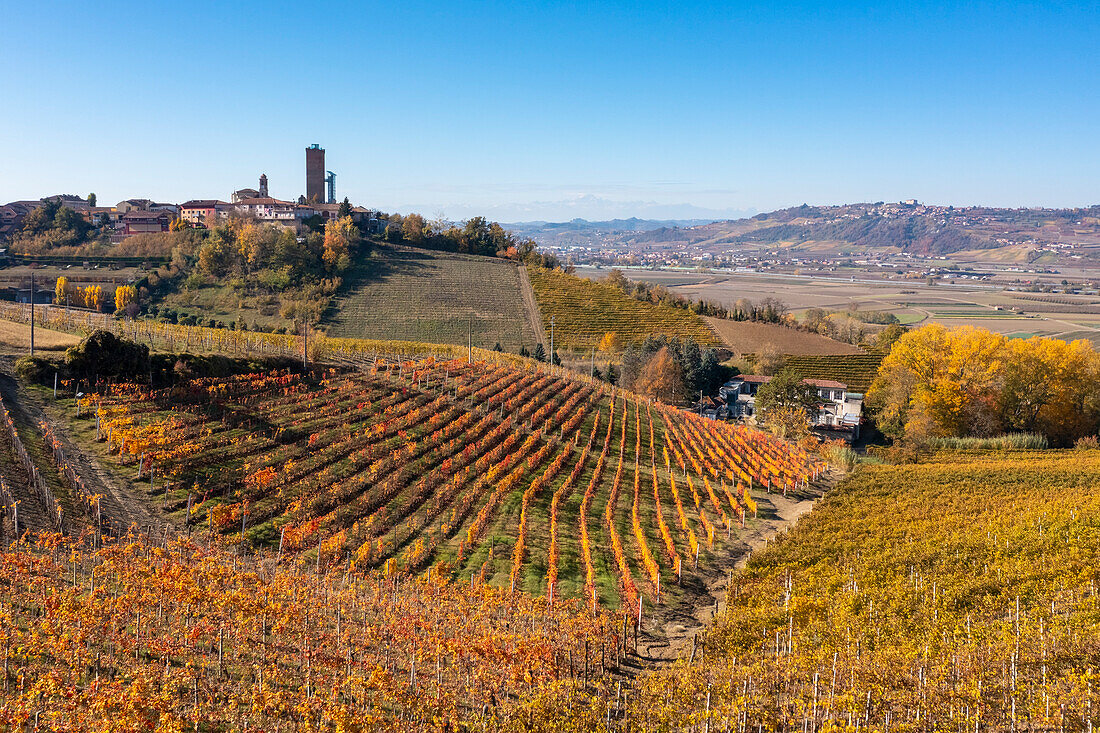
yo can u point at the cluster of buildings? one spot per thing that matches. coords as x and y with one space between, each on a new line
138 216
838 412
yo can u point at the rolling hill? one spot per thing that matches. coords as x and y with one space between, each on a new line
584 310
431 296
526 478
906 227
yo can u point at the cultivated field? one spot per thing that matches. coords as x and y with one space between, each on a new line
585 310
18 336
522 479
422 295
914 302
167 635
959 592
746 337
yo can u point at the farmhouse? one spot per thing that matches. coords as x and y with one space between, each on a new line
837 410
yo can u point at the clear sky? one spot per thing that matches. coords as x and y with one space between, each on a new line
525 110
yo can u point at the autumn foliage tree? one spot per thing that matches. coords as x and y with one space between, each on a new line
970 381
699 368
610 343
124 295
93 297
341 239
784 404
661 378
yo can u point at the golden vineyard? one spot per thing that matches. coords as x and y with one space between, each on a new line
524 478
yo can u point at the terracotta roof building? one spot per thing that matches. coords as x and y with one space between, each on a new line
197 211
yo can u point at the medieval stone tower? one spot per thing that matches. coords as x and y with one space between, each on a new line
315 173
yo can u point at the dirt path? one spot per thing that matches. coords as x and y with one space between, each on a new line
32 512
531 306
669 634
117 504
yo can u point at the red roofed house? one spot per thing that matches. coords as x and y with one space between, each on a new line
273 211
838 408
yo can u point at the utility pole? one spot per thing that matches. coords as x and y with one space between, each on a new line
552 341
470 359
32 314
305 344
592 370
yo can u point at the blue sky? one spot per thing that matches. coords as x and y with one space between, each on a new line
553 110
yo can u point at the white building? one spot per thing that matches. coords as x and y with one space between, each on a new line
838 409
273 211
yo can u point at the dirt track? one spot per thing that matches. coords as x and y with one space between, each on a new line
669 634
117 503
530 305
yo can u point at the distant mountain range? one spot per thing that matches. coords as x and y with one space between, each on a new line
904 227
584 233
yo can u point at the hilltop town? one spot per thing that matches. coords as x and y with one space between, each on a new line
143 216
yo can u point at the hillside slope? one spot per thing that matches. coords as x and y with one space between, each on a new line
430 296
528 479
749 337
146 634
584 310
960 591
910 227
857 370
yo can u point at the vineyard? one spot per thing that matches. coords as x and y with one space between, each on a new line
143 635
401 293
200 339
585 310
522 478
957 594
855 370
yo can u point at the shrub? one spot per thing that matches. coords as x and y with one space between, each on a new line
1012 441
195 281
1087 442
36 369
841 455
103 354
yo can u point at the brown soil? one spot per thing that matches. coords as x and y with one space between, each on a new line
668 634
747 337
530 305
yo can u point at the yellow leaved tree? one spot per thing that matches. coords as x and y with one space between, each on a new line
93 297
124 295
970 381
610 342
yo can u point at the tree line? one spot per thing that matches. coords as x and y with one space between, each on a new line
52 226
476 236
967 381
672 370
